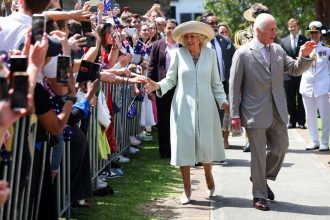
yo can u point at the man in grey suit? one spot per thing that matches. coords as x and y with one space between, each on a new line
257 100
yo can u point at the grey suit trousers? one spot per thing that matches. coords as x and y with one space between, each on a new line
266 162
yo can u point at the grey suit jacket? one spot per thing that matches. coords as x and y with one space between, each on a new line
253 87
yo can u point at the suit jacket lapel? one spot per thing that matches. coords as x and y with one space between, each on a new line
289 46
162 50
258 56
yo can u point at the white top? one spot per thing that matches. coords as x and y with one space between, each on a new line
14 28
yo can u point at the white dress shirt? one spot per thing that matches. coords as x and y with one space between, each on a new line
13 30
218 51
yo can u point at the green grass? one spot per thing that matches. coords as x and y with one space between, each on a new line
146 178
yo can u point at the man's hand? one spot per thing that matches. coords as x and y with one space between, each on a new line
76 42
307 48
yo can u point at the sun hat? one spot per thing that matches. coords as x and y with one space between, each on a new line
255 9
193 27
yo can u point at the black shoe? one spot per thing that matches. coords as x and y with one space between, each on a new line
198 164
291 126
246 148
260 204
270 193
302 126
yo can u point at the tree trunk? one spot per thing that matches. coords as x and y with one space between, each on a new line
322 11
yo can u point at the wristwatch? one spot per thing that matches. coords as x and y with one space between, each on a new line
73 99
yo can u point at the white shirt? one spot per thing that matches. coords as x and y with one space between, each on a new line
264 51
169 51
13 30
315 80
218 51
294 40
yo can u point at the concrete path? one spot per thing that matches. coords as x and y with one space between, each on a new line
302 189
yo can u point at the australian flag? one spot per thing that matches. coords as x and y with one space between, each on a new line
107 5
116 21
138 47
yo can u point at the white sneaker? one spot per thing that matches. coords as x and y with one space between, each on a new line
100 184
312 146
122 159
144 136
133 150
134 141
323 147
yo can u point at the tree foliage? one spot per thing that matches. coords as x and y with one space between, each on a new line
231 11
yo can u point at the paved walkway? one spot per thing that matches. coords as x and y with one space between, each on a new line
302 189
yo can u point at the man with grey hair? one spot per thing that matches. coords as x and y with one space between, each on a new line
257 100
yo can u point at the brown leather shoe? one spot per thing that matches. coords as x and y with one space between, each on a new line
260 204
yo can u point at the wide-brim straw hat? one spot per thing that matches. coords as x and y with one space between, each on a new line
255 9
193 27
248 14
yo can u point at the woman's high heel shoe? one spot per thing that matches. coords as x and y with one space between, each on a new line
185 199
210 192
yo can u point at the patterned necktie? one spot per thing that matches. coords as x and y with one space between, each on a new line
267 55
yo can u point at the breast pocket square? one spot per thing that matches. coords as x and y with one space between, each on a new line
279 58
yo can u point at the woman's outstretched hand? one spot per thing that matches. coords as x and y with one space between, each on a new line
151 86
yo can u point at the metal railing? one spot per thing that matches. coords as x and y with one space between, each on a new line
18 170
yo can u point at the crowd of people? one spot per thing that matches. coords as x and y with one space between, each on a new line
195 81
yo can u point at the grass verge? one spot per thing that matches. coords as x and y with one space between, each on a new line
147 178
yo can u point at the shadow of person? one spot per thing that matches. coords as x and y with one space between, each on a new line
277 206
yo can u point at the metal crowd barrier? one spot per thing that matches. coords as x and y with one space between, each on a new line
18 170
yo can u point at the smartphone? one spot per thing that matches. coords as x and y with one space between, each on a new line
90 41
95 71
95 2
84 69
130 31
20 90
19 82
63 67
86 27
38 27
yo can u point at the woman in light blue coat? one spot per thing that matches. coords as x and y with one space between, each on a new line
195 124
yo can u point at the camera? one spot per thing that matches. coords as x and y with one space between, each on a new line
19 81
38 27
63 67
